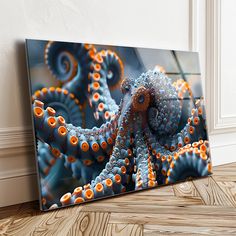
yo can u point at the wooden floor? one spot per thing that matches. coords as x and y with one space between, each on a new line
200 207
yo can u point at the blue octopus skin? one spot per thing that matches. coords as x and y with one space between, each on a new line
138 146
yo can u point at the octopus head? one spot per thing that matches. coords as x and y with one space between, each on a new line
153 94
138 97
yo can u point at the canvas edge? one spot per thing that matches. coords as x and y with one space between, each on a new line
33 126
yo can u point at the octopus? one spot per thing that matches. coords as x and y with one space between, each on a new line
141 142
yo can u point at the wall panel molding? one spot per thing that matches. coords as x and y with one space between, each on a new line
16 137
205 38
218 122
194 6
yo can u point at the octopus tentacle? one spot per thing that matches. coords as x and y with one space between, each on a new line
65 103
65 60
116 175
75 143
146 175
71 140
194 129
183 89
64 68
110 67
70 63
69 109
46 158
191 161
106 72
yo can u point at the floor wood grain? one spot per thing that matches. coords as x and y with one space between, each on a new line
211 193
186 189
90 223
205 206
124 229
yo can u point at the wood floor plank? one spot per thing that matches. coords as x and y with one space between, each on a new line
157 191
7 215
229 188
226 167
150 200
4 225
211 193
155 230
225 172
174 219
90 223
181 209
28 215
186 189
225 178
57 222
124 229
9 211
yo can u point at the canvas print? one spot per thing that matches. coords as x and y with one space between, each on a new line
110 120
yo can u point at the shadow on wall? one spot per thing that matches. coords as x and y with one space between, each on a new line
25 104
21 68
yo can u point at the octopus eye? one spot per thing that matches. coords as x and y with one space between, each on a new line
109 74
125 86
141 99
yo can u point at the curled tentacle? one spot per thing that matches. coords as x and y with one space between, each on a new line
70 63
106 72
110 66
65 60
191 161
60 60
67 106
194 130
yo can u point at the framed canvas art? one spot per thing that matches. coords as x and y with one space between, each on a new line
110 120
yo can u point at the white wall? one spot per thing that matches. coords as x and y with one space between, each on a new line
178 24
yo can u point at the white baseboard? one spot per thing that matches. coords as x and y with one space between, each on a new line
18 189
223 148
18 181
